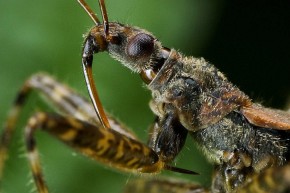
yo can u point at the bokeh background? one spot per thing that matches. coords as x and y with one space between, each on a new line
248 41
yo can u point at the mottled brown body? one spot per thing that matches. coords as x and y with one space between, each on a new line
211 109
248 144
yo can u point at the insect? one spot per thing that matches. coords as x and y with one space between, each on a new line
227 110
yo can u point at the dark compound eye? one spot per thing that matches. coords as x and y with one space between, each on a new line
141 45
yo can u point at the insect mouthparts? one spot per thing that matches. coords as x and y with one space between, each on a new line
179 170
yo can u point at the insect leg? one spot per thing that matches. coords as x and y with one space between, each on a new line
101 144
70 102
167 137
62 98
272 180
163 185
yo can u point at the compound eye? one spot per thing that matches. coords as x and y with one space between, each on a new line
141 45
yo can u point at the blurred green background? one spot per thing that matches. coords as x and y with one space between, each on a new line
248 41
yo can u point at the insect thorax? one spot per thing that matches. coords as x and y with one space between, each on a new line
207 105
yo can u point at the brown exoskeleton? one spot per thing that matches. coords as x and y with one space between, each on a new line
247 143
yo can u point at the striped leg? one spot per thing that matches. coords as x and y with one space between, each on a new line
63 99
117 147
163 185
272 180
101 144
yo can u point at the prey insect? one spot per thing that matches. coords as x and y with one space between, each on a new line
247 143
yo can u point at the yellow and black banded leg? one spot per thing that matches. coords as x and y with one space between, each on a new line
103 145
272 180
62 98
125 152
151 185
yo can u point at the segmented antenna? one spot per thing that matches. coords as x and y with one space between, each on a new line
90 12
105 17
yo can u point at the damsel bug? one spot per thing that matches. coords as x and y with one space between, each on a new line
235 97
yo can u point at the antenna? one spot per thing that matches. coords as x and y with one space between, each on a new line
105 17
90 12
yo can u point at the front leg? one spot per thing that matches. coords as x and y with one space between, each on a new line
104 145
62 98
168 135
